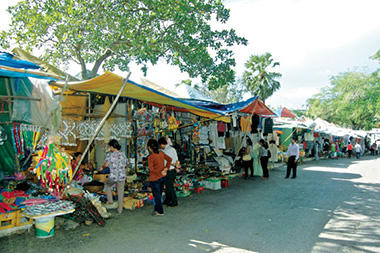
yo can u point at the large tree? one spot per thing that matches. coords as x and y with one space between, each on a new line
352 100
113 33
258 78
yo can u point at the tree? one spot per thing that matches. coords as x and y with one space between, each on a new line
114 33
258 79
351 100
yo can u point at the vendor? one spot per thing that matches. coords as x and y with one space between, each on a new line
79 175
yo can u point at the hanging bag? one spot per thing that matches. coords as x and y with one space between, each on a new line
247 157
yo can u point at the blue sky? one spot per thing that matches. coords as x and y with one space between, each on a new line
312 40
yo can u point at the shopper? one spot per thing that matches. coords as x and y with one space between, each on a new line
248 164
293 154
316 150
116 161
326 148
170 195
157 173
349 149
263 158
358 150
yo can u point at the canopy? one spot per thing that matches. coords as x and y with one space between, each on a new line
246 106
110 84
50 69
284 113
12 67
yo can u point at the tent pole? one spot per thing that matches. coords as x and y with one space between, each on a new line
99 127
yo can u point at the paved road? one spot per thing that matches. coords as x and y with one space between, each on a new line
332 206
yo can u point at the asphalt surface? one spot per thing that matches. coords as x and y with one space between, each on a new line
332 206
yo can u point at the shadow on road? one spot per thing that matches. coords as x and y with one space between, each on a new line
331 206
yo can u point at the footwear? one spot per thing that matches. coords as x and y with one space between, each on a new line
286 177
157 214
111 206
264 178
173 205
293 177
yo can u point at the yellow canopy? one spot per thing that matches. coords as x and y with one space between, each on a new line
110 84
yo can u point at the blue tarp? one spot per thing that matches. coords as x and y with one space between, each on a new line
226 108
8 60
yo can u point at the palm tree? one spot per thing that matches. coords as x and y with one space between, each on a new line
258 79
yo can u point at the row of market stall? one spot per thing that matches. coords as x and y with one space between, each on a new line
45 121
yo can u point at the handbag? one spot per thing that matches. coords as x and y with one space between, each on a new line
247 157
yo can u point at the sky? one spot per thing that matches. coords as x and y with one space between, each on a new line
312 40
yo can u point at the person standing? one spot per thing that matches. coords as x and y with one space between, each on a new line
170 195
157 173
116 161
349 149
263 157
326 148
293 154
358 150
249 163
316 150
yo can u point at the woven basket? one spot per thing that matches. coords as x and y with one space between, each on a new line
100 177
94 188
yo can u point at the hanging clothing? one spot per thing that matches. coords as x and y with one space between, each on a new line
273 152
255 123
221 126
245 124
213 133
268 126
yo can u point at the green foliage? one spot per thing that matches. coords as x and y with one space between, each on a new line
258 79
227 94
352 100
299 112
114 33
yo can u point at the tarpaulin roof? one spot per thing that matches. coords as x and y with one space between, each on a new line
243 106
110 84
50 69
12 67
285 113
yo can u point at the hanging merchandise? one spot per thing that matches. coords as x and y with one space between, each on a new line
173 123
53 169
196 134
268 126
17 139
86 129
68 132
145 126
